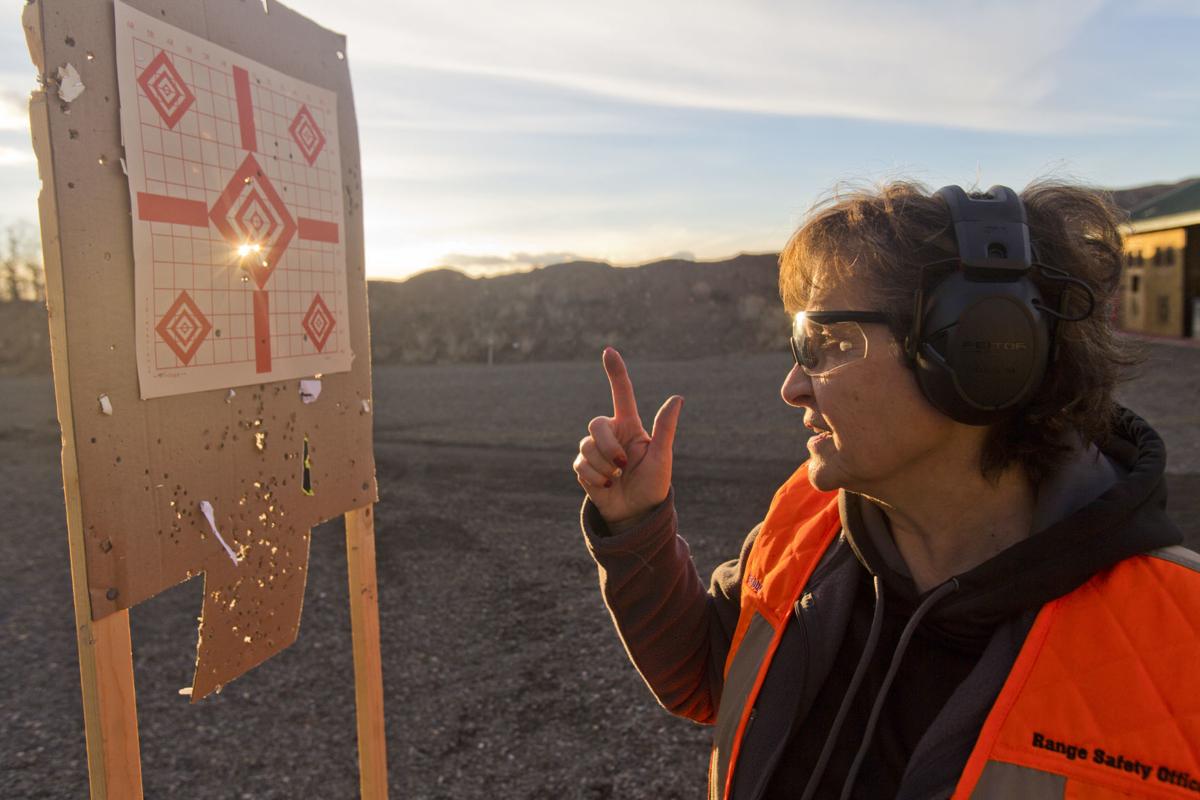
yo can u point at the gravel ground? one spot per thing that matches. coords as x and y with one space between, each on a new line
502 674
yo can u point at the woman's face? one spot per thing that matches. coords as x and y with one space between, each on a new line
883 434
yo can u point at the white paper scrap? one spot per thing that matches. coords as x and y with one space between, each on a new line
229 397
69 84
105 405
310 390
366 406
207 510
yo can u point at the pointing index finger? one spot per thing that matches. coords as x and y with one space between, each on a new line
624 402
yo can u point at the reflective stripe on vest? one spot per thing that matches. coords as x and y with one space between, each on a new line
798 528
1001 780
740 683
1105 691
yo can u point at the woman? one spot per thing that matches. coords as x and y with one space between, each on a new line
971 587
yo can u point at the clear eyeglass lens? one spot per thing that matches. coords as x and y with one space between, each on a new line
820 348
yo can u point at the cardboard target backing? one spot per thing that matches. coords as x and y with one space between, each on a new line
149 469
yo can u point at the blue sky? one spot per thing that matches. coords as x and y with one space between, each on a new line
496 136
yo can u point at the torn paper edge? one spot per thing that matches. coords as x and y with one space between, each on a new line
310 390
207 510
70 85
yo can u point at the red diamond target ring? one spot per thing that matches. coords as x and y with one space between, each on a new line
307 135
166 90
184 327
318 323
251 211
256 222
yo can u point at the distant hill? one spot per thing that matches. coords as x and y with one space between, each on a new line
666 309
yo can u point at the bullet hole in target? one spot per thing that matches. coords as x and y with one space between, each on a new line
306 474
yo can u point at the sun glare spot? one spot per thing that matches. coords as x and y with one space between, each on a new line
248 248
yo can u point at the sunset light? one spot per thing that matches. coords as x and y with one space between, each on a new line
354 318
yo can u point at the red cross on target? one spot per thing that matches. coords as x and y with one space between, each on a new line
250 215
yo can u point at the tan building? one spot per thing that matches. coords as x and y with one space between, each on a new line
1160 287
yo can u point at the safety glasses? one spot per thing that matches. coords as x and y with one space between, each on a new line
824 341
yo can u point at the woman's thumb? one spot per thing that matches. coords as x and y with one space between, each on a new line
662 436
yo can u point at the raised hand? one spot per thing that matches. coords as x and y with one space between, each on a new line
624 470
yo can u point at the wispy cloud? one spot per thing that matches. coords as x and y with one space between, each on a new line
437 167
400 98
13 114
477 264
1186 8
953 63
497 137
12 156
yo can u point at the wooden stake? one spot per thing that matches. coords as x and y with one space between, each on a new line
110 708
368 666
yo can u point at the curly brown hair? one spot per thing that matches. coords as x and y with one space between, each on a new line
877 239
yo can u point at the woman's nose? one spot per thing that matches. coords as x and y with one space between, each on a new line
797 387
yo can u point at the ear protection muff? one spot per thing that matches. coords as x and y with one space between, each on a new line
982 337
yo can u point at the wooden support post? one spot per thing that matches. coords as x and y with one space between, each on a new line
110 708
368 665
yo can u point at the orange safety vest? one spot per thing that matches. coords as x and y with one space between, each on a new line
1102 700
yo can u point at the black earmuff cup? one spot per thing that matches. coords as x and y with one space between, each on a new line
985 350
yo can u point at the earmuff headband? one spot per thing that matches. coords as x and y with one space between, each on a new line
992 233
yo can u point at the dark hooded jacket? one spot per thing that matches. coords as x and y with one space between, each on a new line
1106 504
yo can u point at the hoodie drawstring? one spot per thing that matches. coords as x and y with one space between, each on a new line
906 636
859 672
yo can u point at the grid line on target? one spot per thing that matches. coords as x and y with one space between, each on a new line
193 158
